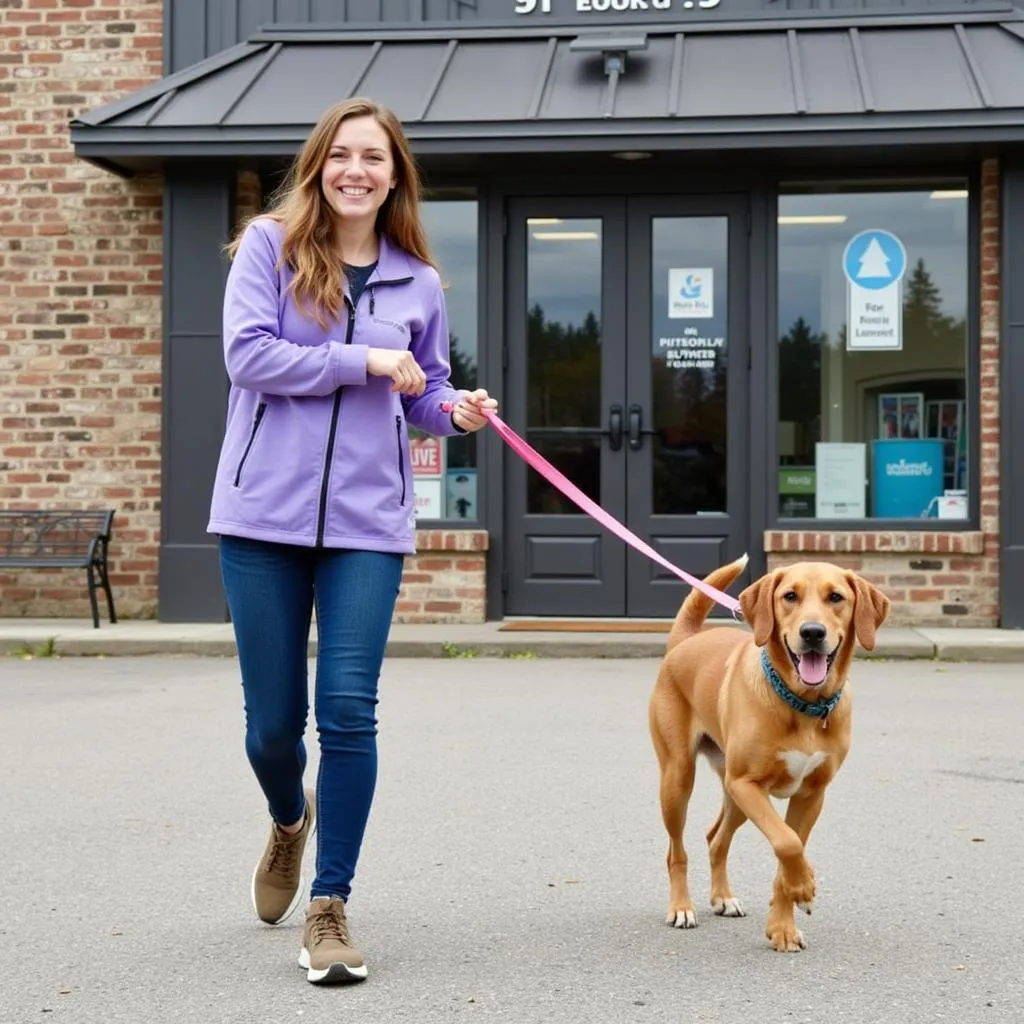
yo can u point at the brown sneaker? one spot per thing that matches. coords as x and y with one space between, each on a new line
277 880
327 951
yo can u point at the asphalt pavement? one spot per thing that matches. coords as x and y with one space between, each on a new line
513 869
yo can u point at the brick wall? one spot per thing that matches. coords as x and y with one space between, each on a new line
935 578
80 294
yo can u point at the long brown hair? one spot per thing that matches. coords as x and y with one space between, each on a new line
299 204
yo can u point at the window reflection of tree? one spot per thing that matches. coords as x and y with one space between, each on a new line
461 450
690 417
564 390
926 329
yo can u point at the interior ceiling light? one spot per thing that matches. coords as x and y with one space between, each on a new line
813 218
565 236
543 220
632 154
949 193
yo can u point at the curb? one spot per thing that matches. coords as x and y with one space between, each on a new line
918 649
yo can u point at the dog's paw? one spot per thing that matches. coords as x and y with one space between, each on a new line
730 907
681 918
800 887
785 938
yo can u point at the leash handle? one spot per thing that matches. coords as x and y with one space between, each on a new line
537 461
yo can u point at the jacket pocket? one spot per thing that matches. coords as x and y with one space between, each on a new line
401 458
256 421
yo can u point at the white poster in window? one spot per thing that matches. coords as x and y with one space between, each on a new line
691 293
841 471
874 262
428 494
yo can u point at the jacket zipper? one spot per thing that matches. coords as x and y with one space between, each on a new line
401 459
257 419
325 481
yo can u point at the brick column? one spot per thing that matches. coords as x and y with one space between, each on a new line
446 580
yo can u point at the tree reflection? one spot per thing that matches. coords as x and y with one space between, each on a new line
690 413
563 390
929 337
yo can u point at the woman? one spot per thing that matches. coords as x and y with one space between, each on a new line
335 337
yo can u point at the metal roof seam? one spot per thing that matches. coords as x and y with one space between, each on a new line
973 67
357 81
676 75
267 60
796 72
439 74
533 111
863 82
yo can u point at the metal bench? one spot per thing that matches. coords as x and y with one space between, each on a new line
60 539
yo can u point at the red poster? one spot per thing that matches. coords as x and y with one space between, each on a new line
426 456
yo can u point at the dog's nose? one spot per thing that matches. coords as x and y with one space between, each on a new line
812 632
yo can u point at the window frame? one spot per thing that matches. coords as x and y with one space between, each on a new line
451 191
931 178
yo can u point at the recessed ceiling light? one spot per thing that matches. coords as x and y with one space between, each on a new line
632 154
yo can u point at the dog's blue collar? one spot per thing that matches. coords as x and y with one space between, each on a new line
814 708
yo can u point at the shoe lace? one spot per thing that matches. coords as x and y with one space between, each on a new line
282 855
330 923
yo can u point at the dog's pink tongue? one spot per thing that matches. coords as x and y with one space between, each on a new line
813 667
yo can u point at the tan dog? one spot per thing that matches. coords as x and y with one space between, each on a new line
715 696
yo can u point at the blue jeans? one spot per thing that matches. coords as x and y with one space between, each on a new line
270 591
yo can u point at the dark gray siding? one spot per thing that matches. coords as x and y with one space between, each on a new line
195 29
1011 376
197 220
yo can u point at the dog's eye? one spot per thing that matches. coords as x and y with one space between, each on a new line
789 595
835 598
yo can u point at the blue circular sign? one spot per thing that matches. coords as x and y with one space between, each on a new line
874 259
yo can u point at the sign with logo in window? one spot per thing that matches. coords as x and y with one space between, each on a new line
874 262
691 293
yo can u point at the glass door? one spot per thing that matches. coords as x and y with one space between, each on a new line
686 374
565 369
627 362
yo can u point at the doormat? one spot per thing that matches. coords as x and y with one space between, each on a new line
585 626
600 626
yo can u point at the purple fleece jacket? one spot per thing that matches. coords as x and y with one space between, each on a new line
315 450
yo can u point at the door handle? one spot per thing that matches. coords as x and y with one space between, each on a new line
635 427
615 428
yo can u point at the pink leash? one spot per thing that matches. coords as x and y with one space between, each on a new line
533 458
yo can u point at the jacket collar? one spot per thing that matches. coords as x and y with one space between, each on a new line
393 264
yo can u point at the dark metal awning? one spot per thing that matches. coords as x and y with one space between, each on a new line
875 80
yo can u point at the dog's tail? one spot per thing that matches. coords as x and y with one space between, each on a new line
695 608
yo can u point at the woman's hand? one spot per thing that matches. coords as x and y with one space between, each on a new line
398 364
468 411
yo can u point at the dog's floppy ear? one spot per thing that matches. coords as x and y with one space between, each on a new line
758 605
869 612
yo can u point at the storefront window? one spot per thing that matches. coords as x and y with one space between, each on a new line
445 469
872 359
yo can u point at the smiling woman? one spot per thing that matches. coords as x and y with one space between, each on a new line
336 343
